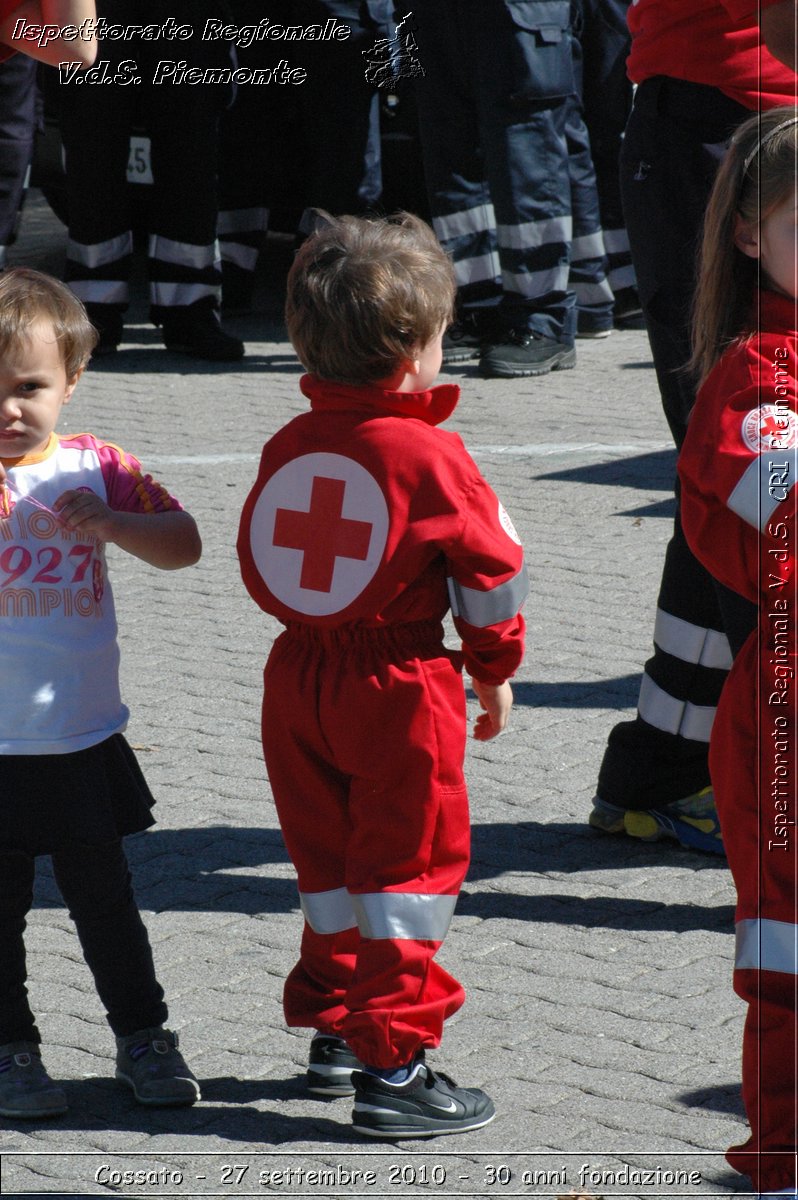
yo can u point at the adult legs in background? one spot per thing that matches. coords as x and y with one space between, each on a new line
676 137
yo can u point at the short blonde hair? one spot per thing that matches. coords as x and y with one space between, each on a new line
28 296
364 294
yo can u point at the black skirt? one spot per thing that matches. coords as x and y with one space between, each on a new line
91 796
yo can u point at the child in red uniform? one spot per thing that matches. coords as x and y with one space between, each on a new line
366 524
738 470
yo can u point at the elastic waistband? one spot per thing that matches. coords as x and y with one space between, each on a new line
695 104
412 637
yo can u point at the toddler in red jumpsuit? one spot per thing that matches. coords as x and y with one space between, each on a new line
366 524
738 471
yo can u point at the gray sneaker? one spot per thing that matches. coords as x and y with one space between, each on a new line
26 1090
150 1063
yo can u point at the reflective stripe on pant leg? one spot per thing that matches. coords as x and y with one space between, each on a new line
459 197
241 233
661 756
588 274
182 273
98 273
620 271
469 237
527 165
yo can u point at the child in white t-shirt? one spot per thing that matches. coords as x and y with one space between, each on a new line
71 785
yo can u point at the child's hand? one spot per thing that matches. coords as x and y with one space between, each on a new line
496 700
87 512
167 540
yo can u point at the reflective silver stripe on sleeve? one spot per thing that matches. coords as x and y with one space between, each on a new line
328 912
404 916
488 608
473 220
680 717
763 945
183 254
756 497
692 643
99 254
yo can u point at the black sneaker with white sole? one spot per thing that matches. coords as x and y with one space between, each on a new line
427 1104
330 1066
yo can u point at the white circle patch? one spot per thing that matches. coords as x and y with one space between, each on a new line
318 531
769 427
507 525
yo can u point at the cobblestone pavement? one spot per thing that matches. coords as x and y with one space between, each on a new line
600 1014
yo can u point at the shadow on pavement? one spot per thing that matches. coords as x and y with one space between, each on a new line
655 469
224 1112
185 870
725 1098
620 692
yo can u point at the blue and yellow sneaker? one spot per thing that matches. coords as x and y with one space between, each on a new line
692 821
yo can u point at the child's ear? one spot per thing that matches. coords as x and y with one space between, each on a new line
72 384
746 236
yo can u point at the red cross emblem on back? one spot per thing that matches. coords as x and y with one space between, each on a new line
317 533
323 534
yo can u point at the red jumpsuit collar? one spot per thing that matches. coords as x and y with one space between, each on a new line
433 406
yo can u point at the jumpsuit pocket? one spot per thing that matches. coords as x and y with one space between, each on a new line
542 67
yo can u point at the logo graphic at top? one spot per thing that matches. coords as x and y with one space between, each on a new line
392 59
770 428
318 531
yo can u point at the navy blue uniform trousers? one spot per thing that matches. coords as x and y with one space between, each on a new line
493 108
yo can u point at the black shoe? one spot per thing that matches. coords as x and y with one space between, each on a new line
200 335
26 1090
330 1067
150 1063
470 334
462 340
426 1104
524 352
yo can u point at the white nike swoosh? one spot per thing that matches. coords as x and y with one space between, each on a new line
450 1107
